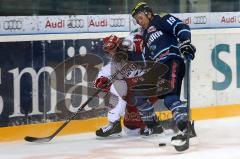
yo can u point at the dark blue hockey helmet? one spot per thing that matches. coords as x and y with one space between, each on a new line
141 7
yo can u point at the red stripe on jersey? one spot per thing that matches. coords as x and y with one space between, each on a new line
173 77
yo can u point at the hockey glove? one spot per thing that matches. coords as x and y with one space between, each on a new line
103 83
187 49
111 43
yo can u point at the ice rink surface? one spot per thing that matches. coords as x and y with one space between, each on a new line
217 139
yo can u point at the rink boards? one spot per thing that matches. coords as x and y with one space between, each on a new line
28 99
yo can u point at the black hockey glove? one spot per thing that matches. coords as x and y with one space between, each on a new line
187 49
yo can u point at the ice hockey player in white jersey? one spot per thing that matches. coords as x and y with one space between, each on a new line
121 52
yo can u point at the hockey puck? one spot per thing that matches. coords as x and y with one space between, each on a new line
161 144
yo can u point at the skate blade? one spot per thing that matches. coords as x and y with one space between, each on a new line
178 142
182 148
113 136
153 136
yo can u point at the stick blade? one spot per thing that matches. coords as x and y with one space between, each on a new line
183 147
38 140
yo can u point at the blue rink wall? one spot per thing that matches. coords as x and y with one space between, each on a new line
45 78
37 75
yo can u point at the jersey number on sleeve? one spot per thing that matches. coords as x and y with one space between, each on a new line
171 20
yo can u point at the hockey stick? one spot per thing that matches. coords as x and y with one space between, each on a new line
185 146
188 80
48 138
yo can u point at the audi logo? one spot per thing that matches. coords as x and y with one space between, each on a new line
75 23
199 20
117 22
12 25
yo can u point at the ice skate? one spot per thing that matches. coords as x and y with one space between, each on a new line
181 140
112 129
150 131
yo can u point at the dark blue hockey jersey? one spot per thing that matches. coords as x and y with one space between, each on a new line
163 36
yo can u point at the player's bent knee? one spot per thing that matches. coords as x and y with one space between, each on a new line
170 99
119 88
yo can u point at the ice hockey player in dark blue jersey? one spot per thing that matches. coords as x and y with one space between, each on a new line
167 40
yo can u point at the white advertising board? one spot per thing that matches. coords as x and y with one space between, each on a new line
196 20
107 23
62 24
18 25
227 20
